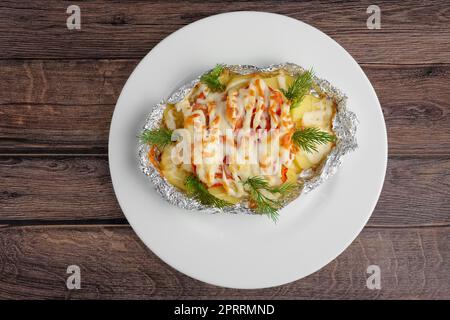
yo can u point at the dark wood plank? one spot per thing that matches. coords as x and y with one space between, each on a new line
63 105
412 32
416 192
48 190
66 106
415 106
57 189
115 264
66 82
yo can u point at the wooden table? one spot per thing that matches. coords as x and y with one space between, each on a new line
58 88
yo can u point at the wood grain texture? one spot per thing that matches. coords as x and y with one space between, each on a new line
66 106
416 191
416 32
115 264
56 189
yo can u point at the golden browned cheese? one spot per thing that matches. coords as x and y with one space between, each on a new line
229 121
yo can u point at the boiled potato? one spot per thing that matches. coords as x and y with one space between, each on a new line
316 157
305 160
315 118
279 80
219 192
272 82
225 77
173 173
320 116
238 81
308 104
301 160
172 118
292 173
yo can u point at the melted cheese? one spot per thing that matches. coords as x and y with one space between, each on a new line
243 132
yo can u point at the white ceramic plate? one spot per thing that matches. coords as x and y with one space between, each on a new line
249 251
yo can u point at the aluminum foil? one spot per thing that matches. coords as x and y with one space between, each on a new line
344 126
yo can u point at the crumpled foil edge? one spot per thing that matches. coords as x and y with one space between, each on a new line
344 125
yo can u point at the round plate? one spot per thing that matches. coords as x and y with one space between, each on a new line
249 251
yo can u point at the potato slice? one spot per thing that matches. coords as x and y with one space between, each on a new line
219 192
279 80
292 173
308 104
305 160
316 157
302 161
175 174
225 77
238 81
172 118
272 82
320 116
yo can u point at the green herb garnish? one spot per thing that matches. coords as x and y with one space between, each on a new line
196 189
299 88
256 186
211 79
309 138
159 137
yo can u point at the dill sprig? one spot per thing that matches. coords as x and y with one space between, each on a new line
196 189
160 137
211 79
283 189
309 138
299 88
264 204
